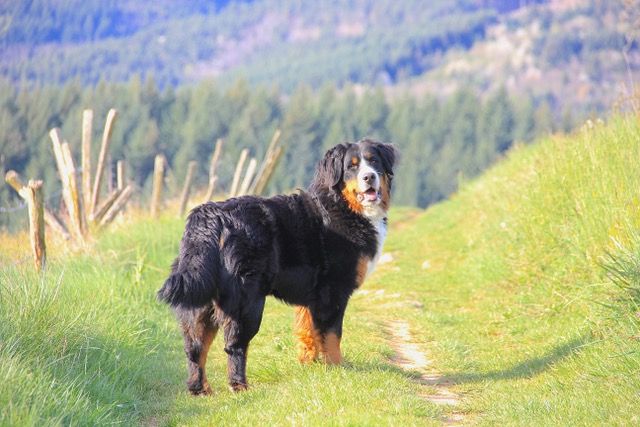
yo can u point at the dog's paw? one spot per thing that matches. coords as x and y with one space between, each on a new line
200 389
236 387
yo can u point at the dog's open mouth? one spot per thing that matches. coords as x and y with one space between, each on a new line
369 196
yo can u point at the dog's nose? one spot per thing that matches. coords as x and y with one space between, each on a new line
369 177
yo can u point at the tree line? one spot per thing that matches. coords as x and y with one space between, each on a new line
439 139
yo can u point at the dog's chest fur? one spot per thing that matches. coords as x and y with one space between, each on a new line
380 225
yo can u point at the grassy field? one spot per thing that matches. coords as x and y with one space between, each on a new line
524 290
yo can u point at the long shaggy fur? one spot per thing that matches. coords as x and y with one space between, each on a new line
306 249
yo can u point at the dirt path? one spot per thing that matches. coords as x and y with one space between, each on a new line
410 358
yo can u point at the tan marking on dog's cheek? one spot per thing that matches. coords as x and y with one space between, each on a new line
385 193
361 270
349 193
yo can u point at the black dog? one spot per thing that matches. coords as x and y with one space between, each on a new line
311 249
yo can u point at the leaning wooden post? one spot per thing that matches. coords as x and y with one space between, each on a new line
87 124
117 206
244 187
184 196
33 194
109 172
158 176
269 157
67 193
77 212
106 139
13 179
212 170
120 177
277 154
238 172
105 205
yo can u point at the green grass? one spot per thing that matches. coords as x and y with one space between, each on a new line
518 305
524 289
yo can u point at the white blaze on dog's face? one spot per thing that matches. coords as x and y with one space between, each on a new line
367 177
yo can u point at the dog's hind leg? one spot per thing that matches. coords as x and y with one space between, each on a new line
309 341
239 329
199 330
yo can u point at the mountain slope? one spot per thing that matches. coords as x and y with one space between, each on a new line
524 288
528 282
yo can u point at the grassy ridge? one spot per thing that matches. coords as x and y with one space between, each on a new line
524 288
87 343
523 316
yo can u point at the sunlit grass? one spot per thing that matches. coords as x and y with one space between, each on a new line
523 288
520 311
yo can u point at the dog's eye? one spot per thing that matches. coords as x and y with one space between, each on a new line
373 161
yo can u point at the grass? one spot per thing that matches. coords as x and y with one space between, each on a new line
522 316
524 289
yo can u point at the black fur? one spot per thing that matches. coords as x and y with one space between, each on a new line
301 248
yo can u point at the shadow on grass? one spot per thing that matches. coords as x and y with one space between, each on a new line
525 369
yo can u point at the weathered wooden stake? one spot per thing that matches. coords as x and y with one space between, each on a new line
106 139
76 213
13 179
87 124
244 187
212 170
120 174
258 183
264 181
61 161
104 206
117 206
238 172
109 172
33 194
158 176
184 196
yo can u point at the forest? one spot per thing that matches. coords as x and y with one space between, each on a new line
441 140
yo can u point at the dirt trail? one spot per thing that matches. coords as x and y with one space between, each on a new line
410 358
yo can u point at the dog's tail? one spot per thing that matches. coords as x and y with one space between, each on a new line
196 271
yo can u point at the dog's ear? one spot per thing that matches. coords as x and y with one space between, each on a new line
389 155
329 170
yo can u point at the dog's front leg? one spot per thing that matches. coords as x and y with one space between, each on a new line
328 323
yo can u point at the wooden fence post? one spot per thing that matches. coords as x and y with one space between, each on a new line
212 170
268 171
106 139
238 172
184 196
120 174
33 195
271 157
77 212
87 124
117 206
62 159
13 179
158 176
244 187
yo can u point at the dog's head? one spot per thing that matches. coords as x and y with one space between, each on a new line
360 173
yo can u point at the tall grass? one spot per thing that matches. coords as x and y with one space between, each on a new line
524 287
524 317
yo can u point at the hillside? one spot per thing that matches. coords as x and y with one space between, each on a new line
578 58
290 41
569 52
522 290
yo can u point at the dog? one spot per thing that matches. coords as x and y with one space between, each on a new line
310 249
